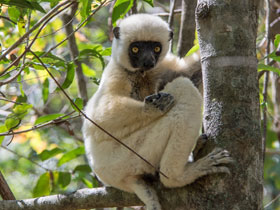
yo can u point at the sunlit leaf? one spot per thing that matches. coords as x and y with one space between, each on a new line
194 49
3 129
47 154
121 7
85 9
64 179
14 13
12 122
277 41
88 71
71 155
43 186
47 118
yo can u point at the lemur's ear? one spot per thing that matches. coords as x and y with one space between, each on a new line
116 32
170 35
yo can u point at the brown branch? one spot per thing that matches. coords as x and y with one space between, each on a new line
187 27
94 123
74 52
42 20
29 46
6 18
266 75
103 3
5 190
171 20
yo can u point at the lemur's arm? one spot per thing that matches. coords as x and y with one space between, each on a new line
120 112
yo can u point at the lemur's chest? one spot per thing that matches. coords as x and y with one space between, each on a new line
141 86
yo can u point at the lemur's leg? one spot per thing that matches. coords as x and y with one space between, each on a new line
184 122
145 192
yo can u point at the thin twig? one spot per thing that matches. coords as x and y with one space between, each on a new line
89 119
6 18
30 45
7 100
271 202
79 26
58 120
266 79
21 156
43 19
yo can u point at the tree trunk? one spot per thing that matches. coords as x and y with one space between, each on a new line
227 38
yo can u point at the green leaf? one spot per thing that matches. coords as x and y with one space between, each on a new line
22 109
268 68
107 52
277 41
87 183
69 76
3 129
150 2
43 186
47 154
12 122
193 50
86 8
14 13
88 71
64 179
23 4
47 118
96 52
45 90
79 103
71 155
83 168
121 7
274 56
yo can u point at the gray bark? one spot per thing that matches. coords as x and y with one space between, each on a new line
187 27
227 38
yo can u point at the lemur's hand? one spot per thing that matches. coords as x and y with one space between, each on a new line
161 101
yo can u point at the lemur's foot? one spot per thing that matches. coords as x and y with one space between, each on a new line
214 162
161 101
201 141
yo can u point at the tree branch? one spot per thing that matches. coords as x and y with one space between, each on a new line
74 52
5 190
187 27
81 199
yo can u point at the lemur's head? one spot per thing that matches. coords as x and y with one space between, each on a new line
140 42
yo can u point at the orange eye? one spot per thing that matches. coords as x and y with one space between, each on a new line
135 50
157 49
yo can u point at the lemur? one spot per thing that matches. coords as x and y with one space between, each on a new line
145 100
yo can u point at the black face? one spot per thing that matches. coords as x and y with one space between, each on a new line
144 54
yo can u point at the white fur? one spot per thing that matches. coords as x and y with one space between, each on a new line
164 139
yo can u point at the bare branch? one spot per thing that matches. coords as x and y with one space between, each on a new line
6 18
187 27
266 75
58 120
170 19
74 52
42 20
81 199
5 190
